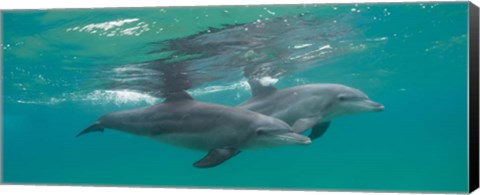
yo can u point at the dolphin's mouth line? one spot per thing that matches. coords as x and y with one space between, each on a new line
294 138
379 108
375 106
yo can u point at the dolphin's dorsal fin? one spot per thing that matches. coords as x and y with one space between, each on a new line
177 96
260 90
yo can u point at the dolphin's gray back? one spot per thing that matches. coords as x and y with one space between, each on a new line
275 104
181 116
196 120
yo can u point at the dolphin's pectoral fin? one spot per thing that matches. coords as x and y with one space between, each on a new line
318 130
92 128
216 157
304 124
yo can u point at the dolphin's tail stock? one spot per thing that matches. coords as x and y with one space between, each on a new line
92 128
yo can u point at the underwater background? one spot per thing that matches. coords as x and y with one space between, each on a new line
62 69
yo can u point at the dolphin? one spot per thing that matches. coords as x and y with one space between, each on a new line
220 130
308 106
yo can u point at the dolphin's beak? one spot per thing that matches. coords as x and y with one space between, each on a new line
375 107
294 138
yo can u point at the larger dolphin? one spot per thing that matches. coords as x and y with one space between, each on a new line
220 130
308 106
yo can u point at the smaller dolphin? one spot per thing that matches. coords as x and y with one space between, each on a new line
220 130
307 106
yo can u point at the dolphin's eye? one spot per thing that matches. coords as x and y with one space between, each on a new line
342 98
261 132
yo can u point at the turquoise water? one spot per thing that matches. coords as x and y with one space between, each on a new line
62 69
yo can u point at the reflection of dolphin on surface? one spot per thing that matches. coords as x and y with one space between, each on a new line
221 130
307 106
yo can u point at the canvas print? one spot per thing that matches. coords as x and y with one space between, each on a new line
350 97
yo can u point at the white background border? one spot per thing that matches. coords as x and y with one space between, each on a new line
54 190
